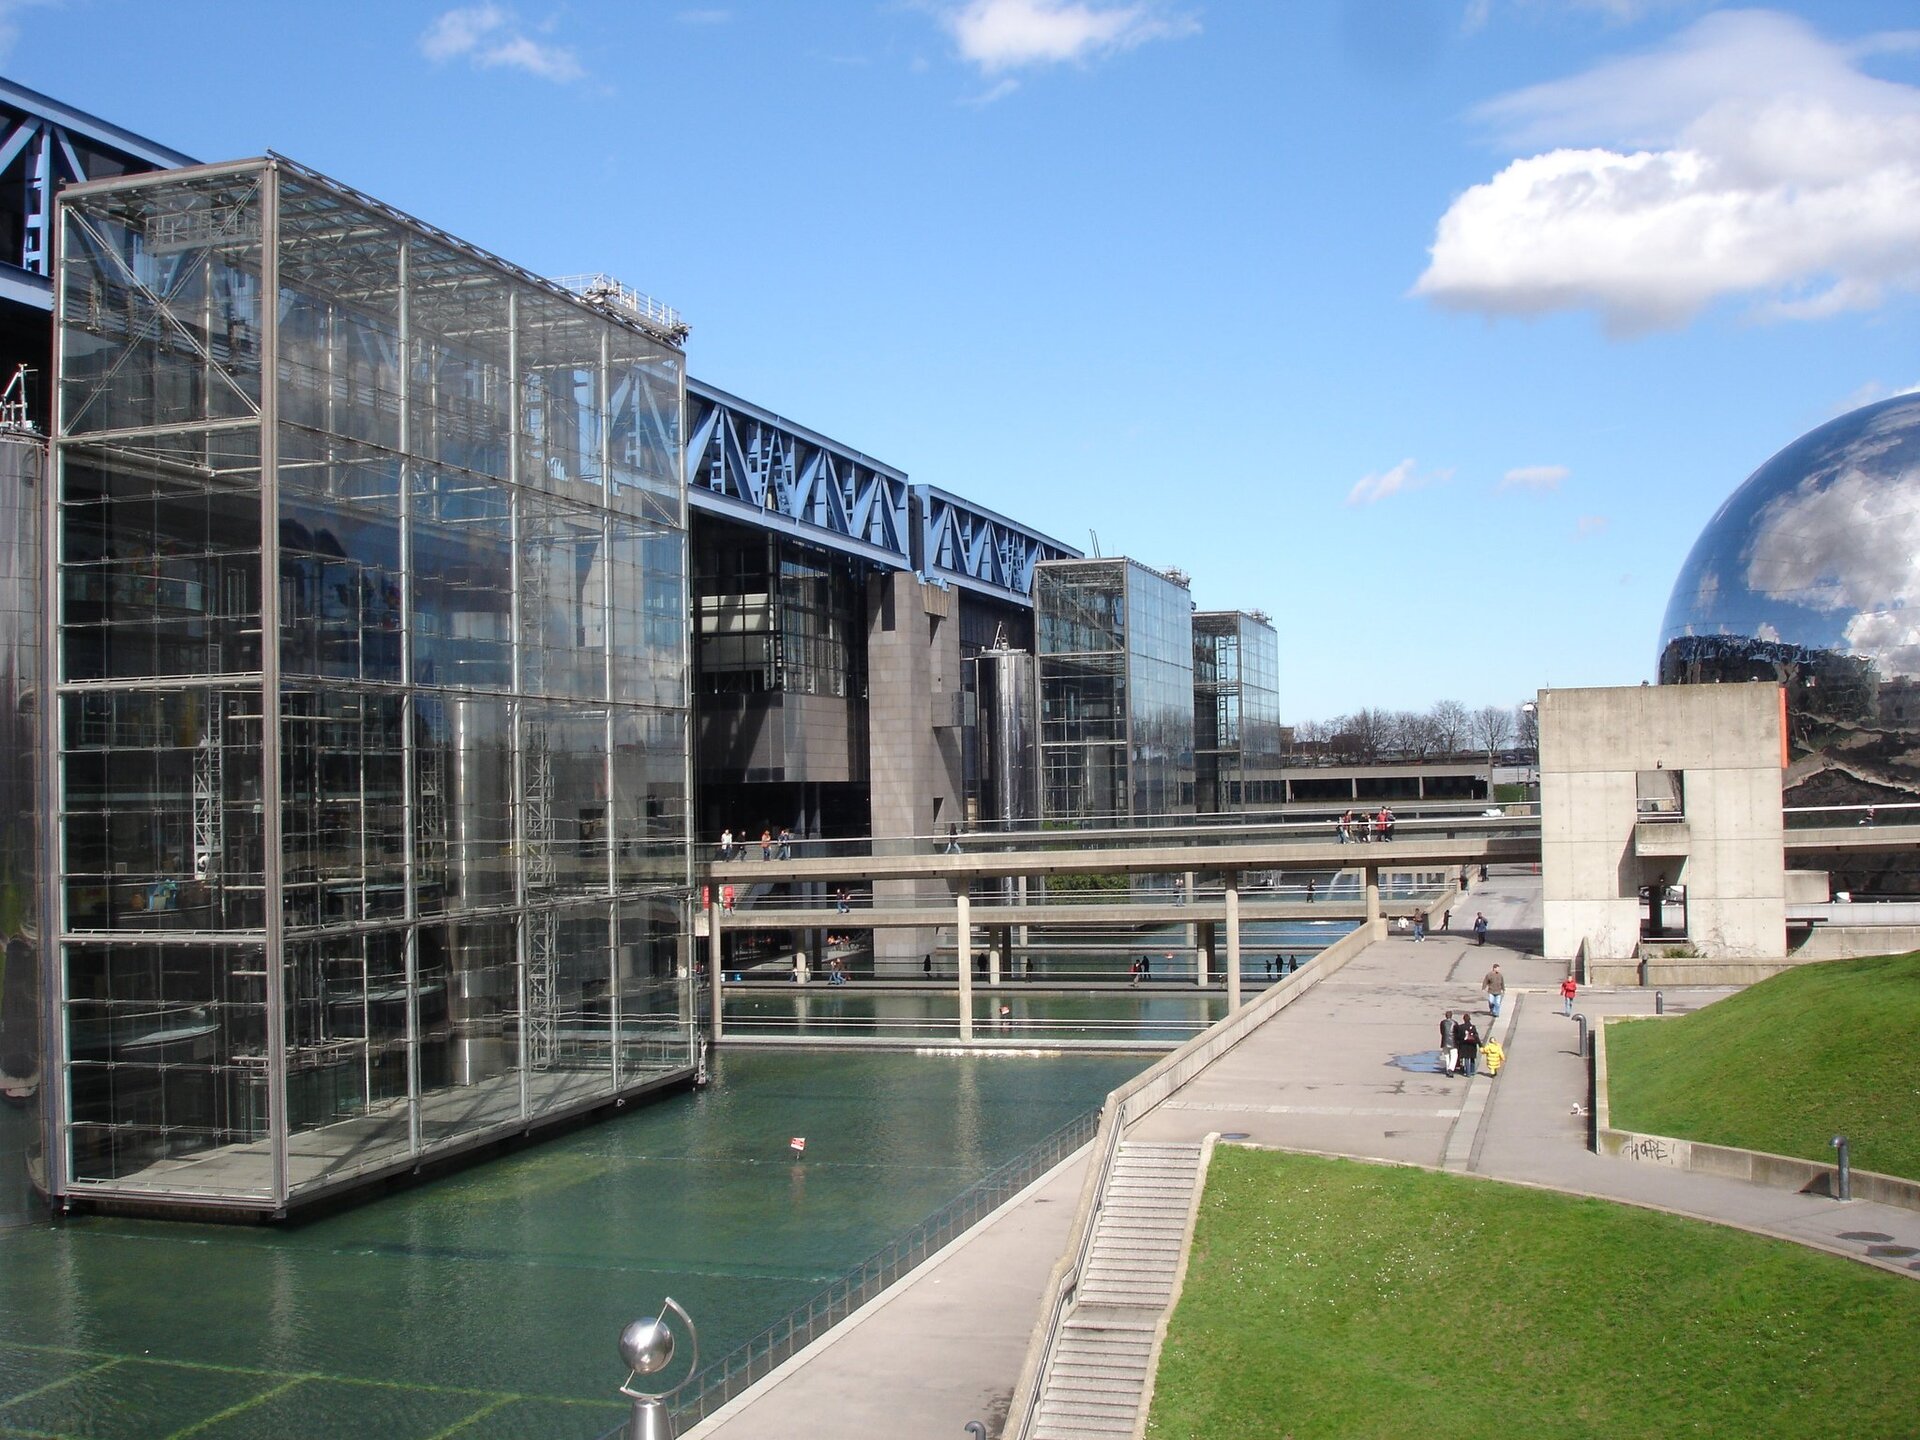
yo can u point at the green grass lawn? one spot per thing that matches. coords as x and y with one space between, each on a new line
1785 1066
1335 1298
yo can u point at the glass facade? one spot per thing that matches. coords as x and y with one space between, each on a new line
1114 644
1236 712
369 628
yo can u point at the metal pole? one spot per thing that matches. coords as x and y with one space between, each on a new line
963 949
1844 1181
1659 1002
715 957
1233 943
1580 1035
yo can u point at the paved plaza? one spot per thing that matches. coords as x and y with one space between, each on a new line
1347 1069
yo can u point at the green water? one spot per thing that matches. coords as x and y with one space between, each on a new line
487 1304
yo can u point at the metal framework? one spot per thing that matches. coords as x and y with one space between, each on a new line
757 467
59 145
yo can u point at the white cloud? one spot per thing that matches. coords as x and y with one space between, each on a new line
1844 543
1747 157
1588 525
1371 489
703 17
998 35
1534 477
1870 391
491 38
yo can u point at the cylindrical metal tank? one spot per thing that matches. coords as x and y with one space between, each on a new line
1009 738
22 471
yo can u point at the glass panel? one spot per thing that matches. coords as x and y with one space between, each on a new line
160 305
162 820
656 1033
343 815
160 574
167 1067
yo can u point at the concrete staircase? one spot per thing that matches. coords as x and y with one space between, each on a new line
1097 1373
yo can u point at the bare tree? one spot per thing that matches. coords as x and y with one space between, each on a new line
1364 733
1492 728
1526 729
1451 722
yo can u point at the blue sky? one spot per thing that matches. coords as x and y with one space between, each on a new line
1436 330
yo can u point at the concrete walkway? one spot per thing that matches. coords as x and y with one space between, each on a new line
1348 1069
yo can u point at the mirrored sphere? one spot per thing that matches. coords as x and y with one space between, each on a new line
646 1346
1809 575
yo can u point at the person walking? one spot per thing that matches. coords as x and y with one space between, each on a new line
1419 926
766 843
1479 928
1568 989
1309 890
786 843
1467 1040
841 899
1449 1054
726 843
1495 984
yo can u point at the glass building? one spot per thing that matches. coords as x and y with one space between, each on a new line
1236 712
1114 652
369 736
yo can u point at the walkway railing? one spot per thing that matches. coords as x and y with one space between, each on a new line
1520 820
749 1363
1802 817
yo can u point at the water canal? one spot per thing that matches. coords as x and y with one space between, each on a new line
486 1303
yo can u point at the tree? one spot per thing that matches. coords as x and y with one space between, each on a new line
1526 729
1492 729
1450 724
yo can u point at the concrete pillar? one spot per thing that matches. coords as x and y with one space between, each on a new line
1233 943
1202 953
1372 873
993 964
716 968
800 966
963 951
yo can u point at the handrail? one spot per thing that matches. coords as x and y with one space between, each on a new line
1139 1095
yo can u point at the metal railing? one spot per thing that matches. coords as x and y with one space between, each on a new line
1516 820
752 1361
1801 817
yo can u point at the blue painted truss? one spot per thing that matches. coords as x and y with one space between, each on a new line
44 145
756 467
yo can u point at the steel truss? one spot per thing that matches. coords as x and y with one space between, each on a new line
752 465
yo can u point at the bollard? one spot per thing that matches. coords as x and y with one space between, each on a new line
1580 1036
1659 1002
976 1430
1844 1183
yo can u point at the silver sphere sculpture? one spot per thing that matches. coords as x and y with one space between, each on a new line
646 1346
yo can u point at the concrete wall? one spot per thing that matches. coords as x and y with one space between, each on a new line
1727 851
913 742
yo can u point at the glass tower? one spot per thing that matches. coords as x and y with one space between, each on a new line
369 758
1115 658
1236 712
